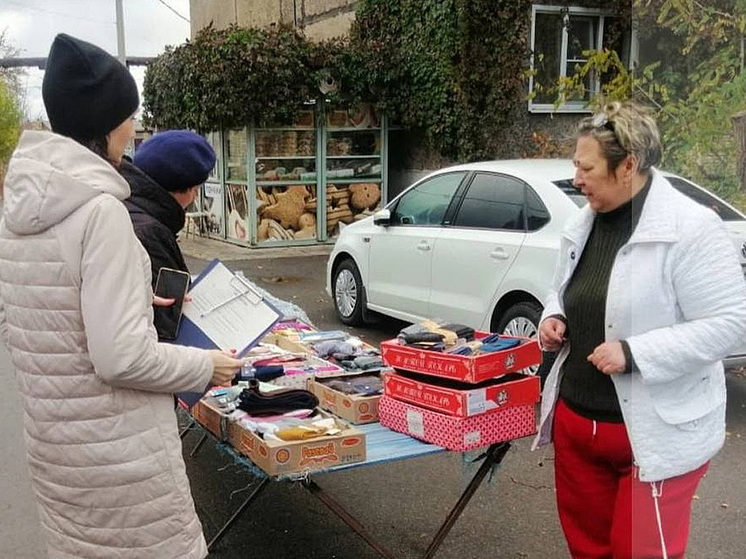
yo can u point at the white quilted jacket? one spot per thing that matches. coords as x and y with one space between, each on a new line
677 295
75 312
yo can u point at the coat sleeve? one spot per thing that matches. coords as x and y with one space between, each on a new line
711 294
552 305
3 323
117 312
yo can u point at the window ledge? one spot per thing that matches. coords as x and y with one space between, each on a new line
566 108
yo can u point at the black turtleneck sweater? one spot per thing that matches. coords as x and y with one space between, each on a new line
585 389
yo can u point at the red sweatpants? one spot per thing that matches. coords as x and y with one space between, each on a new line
606 512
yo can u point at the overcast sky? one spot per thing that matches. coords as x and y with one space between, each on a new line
31 25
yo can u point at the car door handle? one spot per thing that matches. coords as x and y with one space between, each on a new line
499 254
424 246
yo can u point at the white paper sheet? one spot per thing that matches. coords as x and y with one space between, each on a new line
231 322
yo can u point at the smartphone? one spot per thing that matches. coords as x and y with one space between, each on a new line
171 284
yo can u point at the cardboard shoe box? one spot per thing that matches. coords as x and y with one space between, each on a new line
355 409
465 368
291 457
460 399
458 433
211 417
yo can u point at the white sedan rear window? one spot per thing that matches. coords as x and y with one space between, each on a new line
694 192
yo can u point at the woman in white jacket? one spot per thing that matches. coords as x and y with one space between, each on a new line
75 312
648 297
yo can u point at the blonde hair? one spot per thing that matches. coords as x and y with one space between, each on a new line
622 129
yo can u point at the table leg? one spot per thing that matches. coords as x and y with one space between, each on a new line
342 513
495 455
185 430
254 494
199 444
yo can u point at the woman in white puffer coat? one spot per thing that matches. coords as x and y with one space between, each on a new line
104 452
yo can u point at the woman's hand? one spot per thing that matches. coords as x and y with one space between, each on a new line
552 334
167 302
609 358
224 367
162 301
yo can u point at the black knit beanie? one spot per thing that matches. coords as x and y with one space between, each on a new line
86 91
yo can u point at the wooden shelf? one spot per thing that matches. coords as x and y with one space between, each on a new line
283 183
353 181
270 157
350 129
353 156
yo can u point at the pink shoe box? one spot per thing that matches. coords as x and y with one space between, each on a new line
464 368
457 433
454 398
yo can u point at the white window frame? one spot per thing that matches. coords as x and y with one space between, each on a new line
574 106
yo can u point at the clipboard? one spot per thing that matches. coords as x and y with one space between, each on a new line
263 315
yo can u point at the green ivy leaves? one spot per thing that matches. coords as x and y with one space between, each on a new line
452 68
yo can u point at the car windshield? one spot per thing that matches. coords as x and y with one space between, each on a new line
696 193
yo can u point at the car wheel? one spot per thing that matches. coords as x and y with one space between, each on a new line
522 319
349 293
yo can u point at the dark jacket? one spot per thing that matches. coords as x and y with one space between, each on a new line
157 218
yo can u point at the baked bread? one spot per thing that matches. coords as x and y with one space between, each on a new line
365 195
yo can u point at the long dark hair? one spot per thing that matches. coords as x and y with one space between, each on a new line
98 145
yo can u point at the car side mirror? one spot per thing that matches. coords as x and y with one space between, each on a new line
382 218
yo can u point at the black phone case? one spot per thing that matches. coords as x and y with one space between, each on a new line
170 284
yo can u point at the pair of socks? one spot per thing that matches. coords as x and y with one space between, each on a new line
255 402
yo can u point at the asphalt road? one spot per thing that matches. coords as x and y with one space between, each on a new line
404 503
401 503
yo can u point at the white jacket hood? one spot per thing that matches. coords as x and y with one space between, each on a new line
49 177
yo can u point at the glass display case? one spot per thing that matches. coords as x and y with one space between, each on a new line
286 181
297 184
212 199
236 151
354 166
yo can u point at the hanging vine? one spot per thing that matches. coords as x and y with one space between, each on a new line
454 69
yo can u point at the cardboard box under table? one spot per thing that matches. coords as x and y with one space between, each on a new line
354 408
465 368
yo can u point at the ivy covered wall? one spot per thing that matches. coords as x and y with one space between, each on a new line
451 72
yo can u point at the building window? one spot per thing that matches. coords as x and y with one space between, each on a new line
559 36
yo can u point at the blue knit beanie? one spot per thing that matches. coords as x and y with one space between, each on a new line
176 159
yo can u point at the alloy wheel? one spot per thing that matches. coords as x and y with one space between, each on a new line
522 327
345 292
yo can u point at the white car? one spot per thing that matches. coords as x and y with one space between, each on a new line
474 244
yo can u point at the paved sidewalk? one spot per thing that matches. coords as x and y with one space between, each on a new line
205 248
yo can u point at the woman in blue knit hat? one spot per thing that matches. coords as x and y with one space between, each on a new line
104 452
164 177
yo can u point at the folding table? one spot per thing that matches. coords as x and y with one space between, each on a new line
383 445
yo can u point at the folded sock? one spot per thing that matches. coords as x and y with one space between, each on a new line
499 345
254 402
